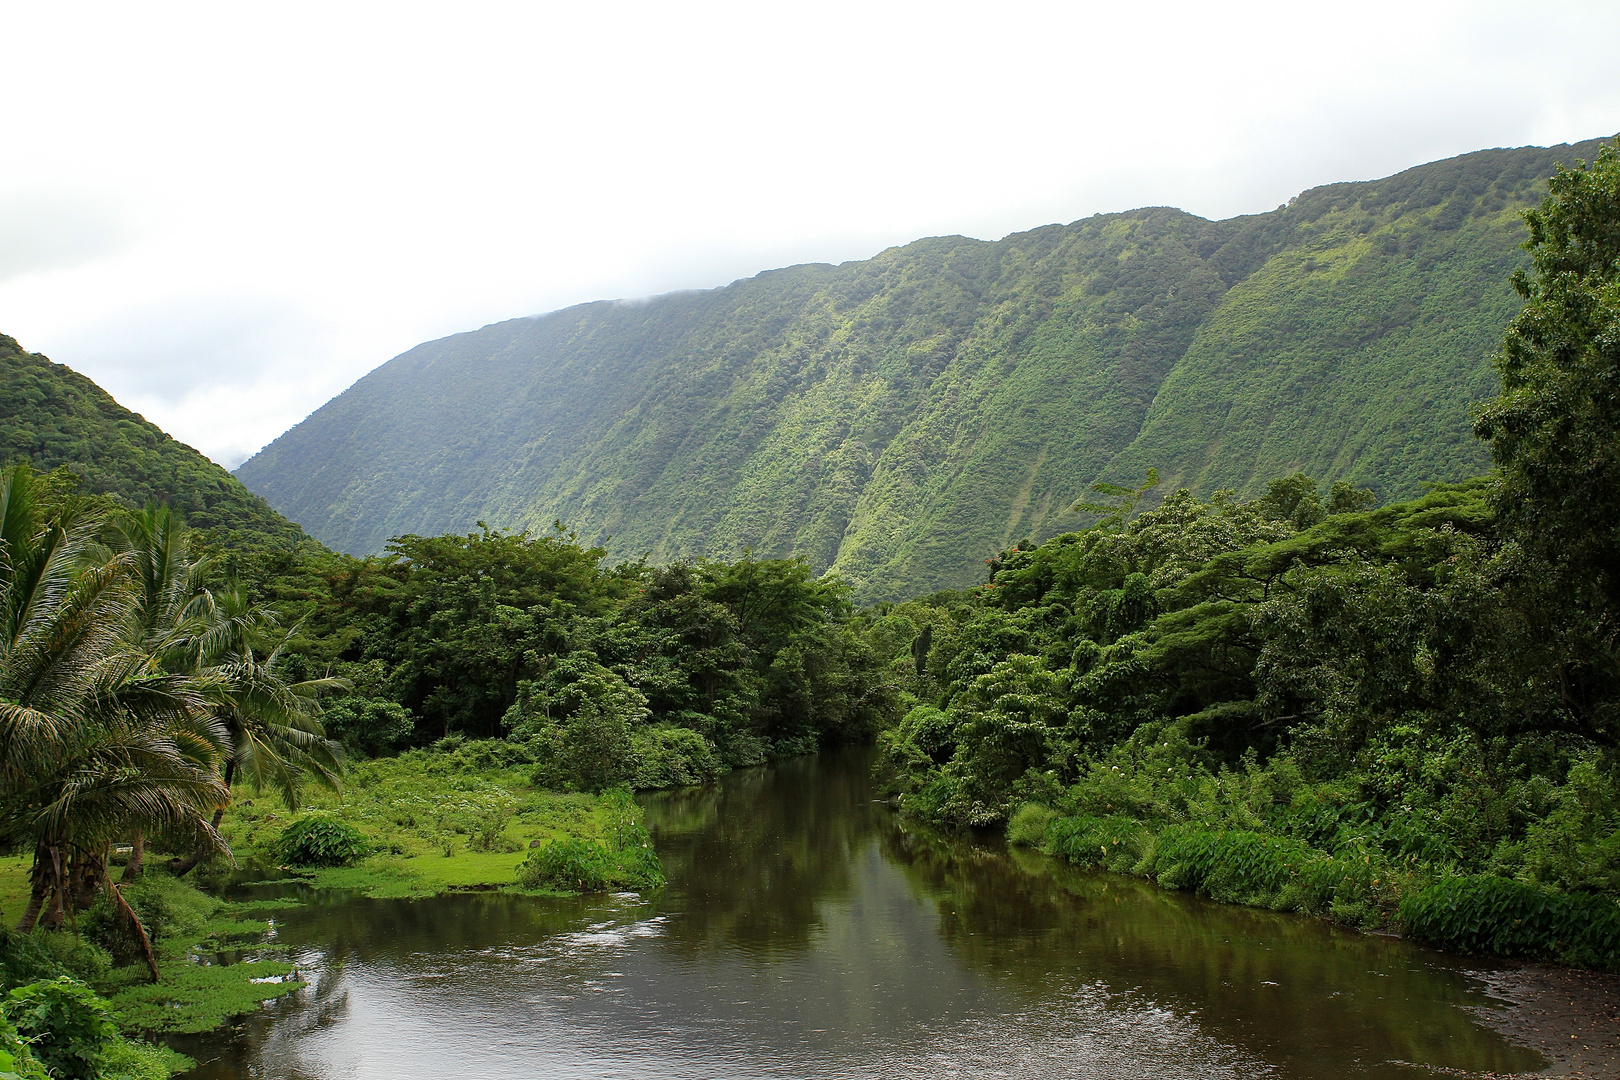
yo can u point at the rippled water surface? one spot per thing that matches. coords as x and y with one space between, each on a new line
808 932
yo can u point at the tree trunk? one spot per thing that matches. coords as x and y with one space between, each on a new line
181 867
55 915
135 869
40 886
87 873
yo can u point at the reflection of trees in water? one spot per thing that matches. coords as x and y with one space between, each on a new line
365 930
271 1034
1292 989
754 856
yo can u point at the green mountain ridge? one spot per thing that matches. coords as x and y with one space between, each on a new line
50 416
899 419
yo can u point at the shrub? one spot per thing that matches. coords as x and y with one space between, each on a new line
65 1023
75 955
1115 843
167 907
1512 918
1235 866
124 1059
673 757
17 1060
1027 827
24 959
626 860
368 726
321 840
569 866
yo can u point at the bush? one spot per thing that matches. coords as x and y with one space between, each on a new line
65 1023
1115 842
125 1059
1234 866
75 955
24 959
321 840
626 860
1511 918
1027 827
166 906
668 756
568 866
17 1060
367 726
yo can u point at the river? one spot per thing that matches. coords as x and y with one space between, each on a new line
808 931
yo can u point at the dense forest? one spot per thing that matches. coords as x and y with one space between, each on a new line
899 418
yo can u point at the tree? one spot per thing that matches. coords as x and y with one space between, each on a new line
94 741
1555 429
272 725
1555 438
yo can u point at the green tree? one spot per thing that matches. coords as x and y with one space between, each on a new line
1555 429
95 740
1555 436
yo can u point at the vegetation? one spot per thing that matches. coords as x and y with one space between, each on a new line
1396 715
53 417
897 419
1292 698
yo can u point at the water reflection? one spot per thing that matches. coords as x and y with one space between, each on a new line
806 931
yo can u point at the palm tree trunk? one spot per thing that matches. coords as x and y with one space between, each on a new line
40 886
87 873
181 867
55 915
135 869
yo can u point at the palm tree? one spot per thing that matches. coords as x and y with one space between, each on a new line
173 603
274 734
94 741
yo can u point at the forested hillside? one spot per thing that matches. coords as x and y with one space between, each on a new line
52 416
901 418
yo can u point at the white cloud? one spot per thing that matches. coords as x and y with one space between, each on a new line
246 209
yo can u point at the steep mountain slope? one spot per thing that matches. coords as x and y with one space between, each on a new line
898 419
51 415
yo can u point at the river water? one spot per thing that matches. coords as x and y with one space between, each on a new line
808 931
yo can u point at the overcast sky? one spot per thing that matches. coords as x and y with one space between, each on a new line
226 216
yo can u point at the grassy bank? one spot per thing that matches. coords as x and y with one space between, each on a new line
432 821
1264 836
427 822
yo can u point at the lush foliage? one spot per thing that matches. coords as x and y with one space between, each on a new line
1394 715
1514 918
623 858
65 1024
897 419
321 840
53 417
602 674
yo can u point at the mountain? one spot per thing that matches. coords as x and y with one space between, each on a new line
900 418
51 415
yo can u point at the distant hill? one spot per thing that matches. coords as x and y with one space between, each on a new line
901 418
51 415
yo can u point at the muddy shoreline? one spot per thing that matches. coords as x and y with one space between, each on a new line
1570 1017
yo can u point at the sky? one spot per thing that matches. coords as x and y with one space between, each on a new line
225 214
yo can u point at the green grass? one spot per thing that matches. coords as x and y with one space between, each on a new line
197 991
13 888
434 821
